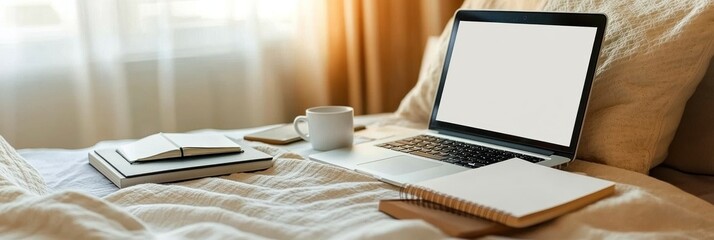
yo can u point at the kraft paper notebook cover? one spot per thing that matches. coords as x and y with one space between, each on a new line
514 192
455 225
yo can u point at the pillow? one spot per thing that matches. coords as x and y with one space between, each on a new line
16 175
692 149
653 56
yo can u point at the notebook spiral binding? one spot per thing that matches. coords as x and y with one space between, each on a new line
434 200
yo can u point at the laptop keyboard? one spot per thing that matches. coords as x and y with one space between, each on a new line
459 153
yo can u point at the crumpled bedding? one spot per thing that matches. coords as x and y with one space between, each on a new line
301 199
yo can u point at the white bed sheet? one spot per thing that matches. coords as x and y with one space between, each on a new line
301 199
68 170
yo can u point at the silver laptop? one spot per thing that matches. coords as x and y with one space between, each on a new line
514 85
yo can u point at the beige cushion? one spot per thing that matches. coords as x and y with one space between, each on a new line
692 149
17 177
654 55
698 185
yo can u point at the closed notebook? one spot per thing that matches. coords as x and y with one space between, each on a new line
514 192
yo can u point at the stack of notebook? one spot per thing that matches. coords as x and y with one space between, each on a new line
170 157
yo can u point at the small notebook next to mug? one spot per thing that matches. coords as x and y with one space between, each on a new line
514 192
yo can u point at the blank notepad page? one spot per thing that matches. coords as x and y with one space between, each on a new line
516 186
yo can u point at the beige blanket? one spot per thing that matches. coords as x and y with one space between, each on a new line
300 199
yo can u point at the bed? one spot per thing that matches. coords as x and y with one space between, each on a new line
56 194
644 82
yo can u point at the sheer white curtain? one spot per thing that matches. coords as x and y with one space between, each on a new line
74 72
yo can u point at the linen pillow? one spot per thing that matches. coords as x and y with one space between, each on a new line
16 175
653 56
692 149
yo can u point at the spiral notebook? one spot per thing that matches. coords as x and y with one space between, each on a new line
514 192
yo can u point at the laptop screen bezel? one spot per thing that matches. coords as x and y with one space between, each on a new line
544 18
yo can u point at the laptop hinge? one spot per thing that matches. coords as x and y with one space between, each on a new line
499 143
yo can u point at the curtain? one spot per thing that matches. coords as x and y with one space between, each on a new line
74 72
375 49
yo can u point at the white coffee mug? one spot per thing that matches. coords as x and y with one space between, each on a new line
329 127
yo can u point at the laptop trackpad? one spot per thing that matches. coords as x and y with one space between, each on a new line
398 165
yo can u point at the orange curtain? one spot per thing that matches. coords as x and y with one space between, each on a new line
375 49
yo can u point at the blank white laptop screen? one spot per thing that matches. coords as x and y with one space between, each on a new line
524 80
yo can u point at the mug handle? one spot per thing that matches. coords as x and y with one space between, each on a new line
296 122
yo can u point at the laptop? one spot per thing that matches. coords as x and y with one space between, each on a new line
514 85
